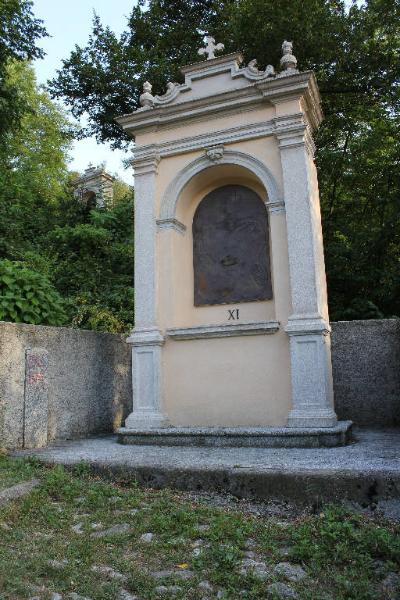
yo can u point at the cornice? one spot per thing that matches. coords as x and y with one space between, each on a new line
219 64
276 207
146 337
164 116
299 325
221 331
287 88
296 136
221 137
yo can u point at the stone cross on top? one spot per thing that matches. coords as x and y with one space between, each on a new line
210 48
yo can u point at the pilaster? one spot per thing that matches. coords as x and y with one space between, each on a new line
146 339
308 326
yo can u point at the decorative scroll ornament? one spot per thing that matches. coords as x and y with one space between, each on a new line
215 153
252 71
252 67
210 48
288 61
147 99
170 94
170 88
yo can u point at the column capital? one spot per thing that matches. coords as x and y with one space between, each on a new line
146 337
146 163
276 207
295 136
307 325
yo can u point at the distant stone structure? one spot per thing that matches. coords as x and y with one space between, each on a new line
95 187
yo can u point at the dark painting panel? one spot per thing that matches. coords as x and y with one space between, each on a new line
231 248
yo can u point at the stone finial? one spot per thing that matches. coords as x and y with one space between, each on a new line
210 48
288 61
147 99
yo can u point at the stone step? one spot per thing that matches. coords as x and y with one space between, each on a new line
366 471
240 437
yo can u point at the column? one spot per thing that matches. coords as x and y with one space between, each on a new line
308 326
146 339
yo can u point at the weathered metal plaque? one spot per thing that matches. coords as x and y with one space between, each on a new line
231 248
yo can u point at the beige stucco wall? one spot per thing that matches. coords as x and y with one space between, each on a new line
239 381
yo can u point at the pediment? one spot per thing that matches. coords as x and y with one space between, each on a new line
211 77
222 83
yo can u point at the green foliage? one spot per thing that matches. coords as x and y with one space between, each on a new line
94 265
50 238
13 470
33 169
95 316
19 31
28 297
354 52
337 537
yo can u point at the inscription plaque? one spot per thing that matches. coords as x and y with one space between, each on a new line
231 248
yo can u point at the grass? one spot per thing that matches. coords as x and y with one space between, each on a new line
345 555
15 471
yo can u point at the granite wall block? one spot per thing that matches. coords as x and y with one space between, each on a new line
366 371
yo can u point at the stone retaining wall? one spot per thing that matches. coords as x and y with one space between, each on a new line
58 383
366 371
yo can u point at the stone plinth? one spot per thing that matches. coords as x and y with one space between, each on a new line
240 437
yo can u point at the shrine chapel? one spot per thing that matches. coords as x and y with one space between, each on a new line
231 343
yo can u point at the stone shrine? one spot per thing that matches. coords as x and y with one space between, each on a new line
231 343
95 187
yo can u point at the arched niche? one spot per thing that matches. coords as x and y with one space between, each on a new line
176 283
232 167
231 257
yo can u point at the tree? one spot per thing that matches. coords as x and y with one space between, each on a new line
33 168
354 53
60 261
105 78
19 31
33 171
93 252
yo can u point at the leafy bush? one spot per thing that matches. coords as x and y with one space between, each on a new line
94 316
27 296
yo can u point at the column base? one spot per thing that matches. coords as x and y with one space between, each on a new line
144 420
315 418
146 380
312 390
